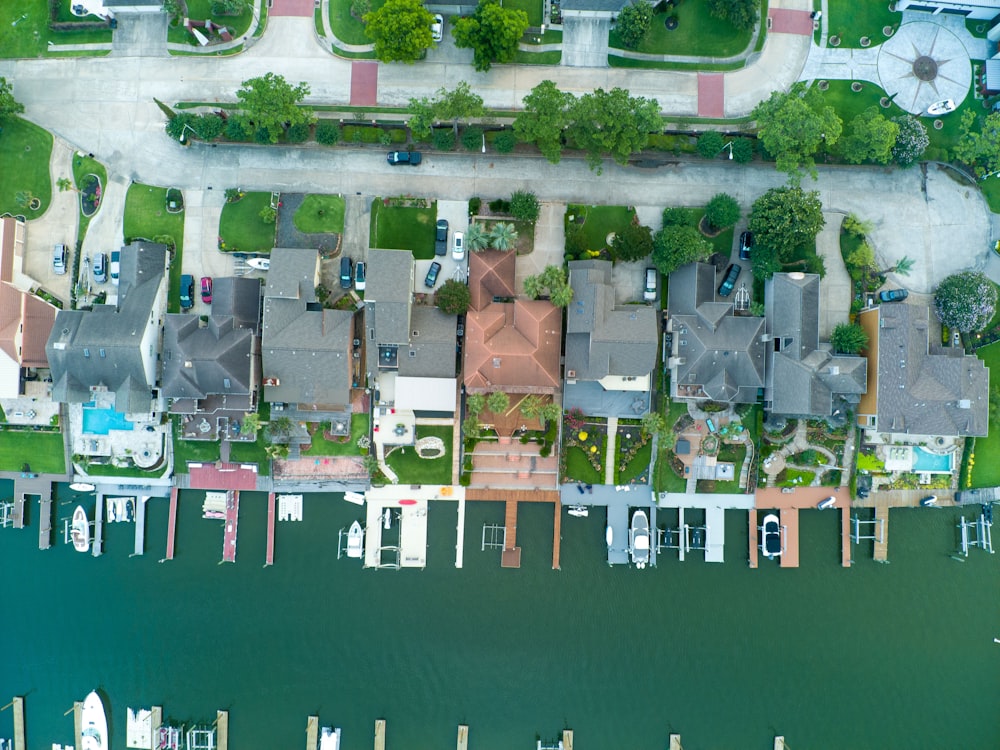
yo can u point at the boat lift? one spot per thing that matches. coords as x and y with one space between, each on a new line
200 739
6 513
860 529
978 532
494 536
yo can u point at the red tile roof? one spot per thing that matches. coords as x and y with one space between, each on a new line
222 476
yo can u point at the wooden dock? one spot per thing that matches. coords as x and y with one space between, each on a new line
45 522
881 532
675 739
754 547
172 523
379 734
222 730
845 534
556 535
790 532
269 557
312 725
140 525
157 720
567 739
18 704
18 516
463 737
232 524
779 742
511 556
78 722
97 548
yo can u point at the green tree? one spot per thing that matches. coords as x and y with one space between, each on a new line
492 33
530 406
461 103
742 150
673 216
271 104
848 339
903 266
9 106
764 262
401 30
498 402
613 122
421 118
722 211
230 7
477 239
786 218
550 412
861 262
470 428
979 149
251 423
965 301
452 297
551 279
524 205
675 246
64 184
911 142
327 133
793 126
278 428
475 403
653 423
633 23
546 114
503 236
740 13
635 242
870 137
177 127
710 144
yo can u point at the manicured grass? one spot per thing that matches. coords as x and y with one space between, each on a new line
579 469
323 447
146 217
201 10
24 29
552 57
637 466
106 470
721 243
412 469
205 451
42 451
252 453
851 20
986 470
532 7
346 27
616 61
24 166
804 477
398 228
242 230
698 34
991 190
320 213
599 221
83 166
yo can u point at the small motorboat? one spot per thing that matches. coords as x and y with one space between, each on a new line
260 264
80 531
95 724
929 501
942 107
639 539
82 487
829 502
580 511
130 510
329 738
609 535
770 537
355 540
112 509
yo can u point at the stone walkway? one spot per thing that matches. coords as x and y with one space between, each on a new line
611 453
777 462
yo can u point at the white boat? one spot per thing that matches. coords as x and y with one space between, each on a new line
638 537
80 531
82 487
609 535
355 540
580 511
261 264
112 506
770 537
942 108
95 724
329 738
829 502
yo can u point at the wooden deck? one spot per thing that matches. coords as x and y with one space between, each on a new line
790 532
18 515
675 741
567 739
78 722
45 523
379 734
463 737
222 730
511 556
845 535
882 535
19 724
172 524
312 732
232 526
556 536
269 557
754 547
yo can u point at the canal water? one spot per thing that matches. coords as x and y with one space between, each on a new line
877 656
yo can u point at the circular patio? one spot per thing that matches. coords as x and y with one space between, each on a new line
923 64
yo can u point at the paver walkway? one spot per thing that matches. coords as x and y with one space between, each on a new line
364 83
611 453
711 95
300 8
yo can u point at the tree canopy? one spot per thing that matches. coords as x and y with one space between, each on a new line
635 242
524 205
911 142
740 13
492 33
272 104
633 23
676 245
401 30
9 106
965 301
848 338
453 297
793 126
553 279
980 149
613 122
870 137
785 218
545 116
722 211
460 103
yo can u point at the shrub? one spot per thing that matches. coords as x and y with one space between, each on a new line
472 138
722 211
327 132
452 297
743 150
298 133
262 136
965 301
238 128
500 206
209 127
505 141
710 144
475 203
911 142
633 23
524 205
443 139
384 137
674 217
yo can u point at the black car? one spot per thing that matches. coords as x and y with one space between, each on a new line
746 244
893 295
395 158
441 237
733 273
346 273
432 275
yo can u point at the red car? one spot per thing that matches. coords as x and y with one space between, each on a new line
206 289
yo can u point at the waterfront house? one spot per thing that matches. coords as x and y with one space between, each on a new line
610 347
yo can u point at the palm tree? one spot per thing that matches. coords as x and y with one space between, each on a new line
503 236
64 184
476 238
903 266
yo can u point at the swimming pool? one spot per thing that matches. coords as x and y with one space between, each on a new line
101 421
932 463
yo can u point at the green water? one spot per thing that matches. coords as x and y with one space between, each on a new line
878 656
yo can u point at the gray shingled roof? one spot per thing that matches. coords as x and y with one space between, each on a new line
431 353
602 339
103 346
925 393
199 362
388 292
238 297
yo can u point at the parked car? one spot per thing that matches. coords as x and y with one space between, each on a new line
359 276
432 275
115 266
732 274
649 293
206 289
441 237
100 268
893 295
346 273
746 244
187 291
395 158
437 28
458 248
59 259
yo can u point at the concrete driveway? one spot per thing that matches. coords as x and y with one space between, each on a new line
585 42
836 289
457 215
140 35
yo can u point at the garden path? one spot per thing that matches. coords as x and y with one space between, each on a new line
836 291
611 454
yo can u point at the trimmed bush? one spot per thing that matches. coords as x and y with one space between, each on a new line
505 142
327 132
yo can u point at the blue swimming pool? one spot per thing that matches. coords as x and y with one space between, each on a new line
931 462
101 421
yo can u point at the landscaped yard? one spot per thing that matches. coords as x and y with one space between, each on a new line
252 453
665 479
323 447
698 34
795 478
107 470
83 169
404 228
201 10
42 451
579 468
532 7
24 29
638 467
412 469
597 222
241 229
146 217
851 20
986 470
346 27
24 166
722 242
320 213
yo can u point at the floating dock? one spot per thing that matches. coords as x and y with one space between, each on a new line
312 725
557 535
463 737
78 722
222 729
18 515
232 522
881 553
789 538
460 534
845 533
139 729
172 523
289 507
269 554
754 541
45 522
140 525
379 734
97 548
511 555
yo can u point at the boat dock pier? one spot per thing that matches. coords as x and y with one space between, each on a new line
510 557
97 549
460 534
18 704
754 540
78 722
139 729
45 522
675 742
140 525
881 552
269 555
171 524
788 505
222 730
379 734
232 520
17 517
312 728
789 537
463 737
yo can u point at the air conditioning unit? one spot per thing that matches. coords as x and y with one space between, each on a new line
570 373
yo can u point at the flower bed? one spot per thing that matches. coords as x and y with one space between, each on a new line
90 195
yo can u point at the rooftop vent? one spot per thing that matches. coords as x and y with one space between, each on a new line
188 363
496 361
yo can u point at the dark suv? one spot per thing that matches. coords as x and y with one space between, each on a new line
441 237
733 273
395 158
746 244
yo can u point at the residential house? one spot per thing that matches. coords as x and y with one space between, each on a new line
915 387
972 10
716 355
610 347
804 378
112 351
211 369
25 320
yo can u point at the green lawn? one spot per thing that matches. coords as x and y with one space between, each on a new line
616 61
252 453
552 57
200 10
323 447
42 451
24 29
986 471
24 166
399 228
320 213
991 189
532 7
721 243
698 34
242 230
851 20
106 470
579 468
204 451
804 477
346 27
82 166
635 467
146 217
412 469
598 222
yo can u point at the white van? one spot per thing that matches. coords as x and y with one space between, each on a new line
59 260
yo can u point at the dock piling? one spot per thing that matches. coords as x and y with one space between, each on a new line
222 729
463 737
379 734
312 732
